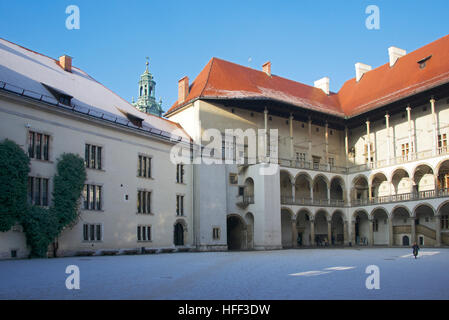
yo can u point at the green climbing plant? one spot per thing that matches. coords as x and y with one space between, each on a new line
41 225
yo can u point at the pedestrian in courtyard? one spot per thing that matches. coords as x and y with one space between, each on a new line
415 249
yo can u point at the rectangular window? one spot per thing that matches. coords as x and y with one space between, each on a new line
216 233
442 143
301 157
331 162
180 173
143 233
93 157
144 167
92 197
144 202
179 205
233 178
316 162
38 146
92 232
38 191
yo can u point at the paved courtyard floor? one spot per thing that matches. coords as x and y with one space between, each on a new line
283 274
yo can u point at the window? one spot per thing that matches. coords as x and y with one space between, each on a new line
92 232
38 145
371 152
331 162
144 202
144 167
92 156
300 156
179 173
38 191
92 197
442 143
216 233
179 205
143 233
445 222
233 178
316 162
406 150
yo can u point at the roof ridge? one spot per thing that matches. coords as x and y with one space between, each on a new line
208 75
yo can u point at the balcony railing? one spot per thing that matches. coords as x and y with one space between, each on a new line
288 200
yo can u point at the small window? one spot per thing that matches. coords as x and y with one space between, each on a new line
179 205
92 196
143 202
216 233
179 173
38 193
233 178
144 167
92 232
93 157
38 145
143 233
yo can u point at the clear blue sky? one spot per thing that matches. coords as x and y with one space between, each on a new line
304 40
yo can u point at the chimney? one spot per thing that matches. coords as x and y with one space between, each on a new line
322 84
394 54
183 89
65 62
266 67
360 70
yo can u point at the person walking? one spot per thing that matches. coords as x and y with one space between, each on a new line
415 249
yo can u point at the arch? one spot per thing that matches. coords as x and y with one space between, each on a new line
426 224
320 188
380 186
303 227
337 228
286 185
361 225
401 220
236 232
442 171
440 207
338 189
179 232
303 187
286 228
305 175
248 191
402 183
405 241
286 172
321 220
359 212
359 189
423 178
381 227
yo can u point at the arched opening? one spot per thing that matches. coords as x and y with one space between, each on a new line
359 190
405 241
302 189
303 227
321 228
443 213
248 191
401 222
381 233
249 219
286 228
425 225
337 228
361 228
402 185
320 190
380 188
236 232
337 192
424 181
179 233
443 177
286 187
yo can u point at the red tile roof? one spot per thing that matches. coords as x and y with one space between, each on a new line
378 87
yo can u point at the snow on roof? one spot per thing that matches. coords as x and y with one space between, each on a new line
28 70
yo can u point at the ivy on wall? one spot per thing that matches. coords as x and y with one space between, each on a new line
41 225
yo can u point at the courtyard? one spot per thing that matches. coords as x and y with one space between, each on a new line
283 274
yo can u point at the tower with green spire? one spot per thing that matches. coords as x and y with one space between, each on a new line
146 100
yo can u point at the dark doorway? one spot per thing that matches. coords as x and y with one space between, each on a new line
235 230
179 235
405 241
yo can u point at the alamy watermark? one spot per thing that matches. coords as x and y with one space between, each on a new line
73 280
373 280
372 22
73 20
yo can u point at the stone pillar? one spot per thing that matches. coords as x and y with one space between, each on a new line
409 120
387 124
326 143
346 146
353 232
310 141
312 232
368 142
329 232
434 127
371 233
290 122
294 234
293 192
390 232
413 227
438 231
345 233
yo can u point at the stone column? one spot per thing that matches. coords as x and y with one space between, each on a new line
353 232
345 233
346 146
413 227
326 143
293 192
312 232
387 124
329 232
438 231
371 233
310 141
368 142
409 120
390 232
294 234
290 122
434 127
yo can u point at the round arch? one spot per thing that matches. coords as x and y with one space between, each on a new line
381 226
236 231
304 219
179 232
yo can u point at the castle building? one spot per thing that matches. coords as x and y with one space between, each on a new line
146 101
365 166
